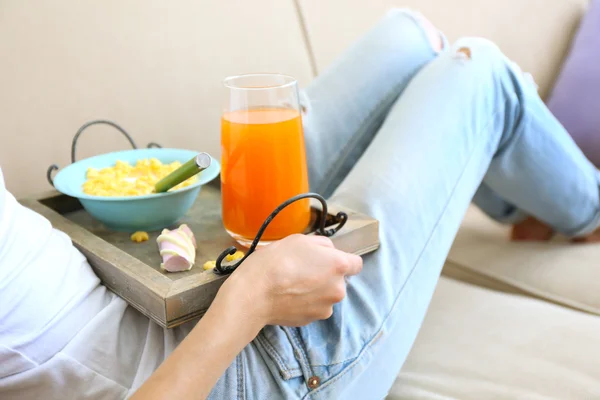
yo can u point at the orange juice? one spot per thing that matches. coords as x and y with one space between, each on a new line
264 164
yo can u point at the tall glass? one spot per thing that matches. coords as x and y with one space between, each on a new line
263 157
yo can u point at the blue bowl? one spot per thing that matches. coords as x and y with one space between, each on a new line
134 213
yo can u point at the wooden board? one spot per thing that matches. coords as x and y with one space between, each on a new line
132 270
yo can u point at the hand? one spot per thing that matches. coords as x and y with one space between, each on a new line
294 281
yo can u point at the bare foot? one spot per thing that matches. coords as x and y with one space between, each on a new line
593 237
531 230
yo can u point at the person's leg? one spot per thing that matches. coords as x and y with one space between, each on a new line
525 228
462 120
458 121
458 118
496 207
346 104
343 109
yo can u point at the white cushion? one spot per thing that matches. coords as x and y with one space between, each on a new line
481 344
557 271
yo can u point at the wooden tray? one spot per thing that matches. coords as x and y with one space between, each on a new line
132 270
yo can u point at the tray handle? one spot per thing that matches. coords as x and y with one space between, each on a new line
341 218
55 167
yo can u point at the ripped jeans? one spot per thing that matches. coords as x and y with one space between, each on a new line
409 136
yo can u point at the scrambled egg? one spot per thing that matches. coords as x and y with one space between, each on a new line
130 180
230 257
139 236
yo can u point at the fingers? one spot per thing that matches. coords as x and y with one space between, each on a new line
303 240
345 264
320 241
342 263
352 264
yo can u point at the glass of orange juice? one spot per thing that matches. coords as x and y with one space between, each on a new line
263 157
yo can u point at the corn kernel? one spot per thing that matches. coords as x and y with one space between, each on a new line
209 265
235 256
139 236
229 257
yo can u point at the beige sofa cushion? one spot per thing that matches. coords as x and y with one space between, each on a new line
561 272
153 66
534 33
480 344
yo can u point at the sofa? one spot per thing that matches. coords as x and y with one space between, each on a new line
507 321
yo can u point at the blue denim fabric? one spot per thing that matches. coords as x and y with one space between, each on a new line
409 136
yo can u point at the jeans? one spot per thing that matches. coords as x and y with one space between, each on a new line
411 137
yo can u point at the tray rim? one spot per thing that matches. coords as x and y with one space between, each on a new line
145 288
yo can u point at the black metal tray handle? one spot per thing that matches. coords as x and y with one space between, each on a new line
55 167
340 219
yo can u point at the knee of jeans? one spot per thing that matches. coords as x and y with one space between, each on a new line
432 34
476 48
483 49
